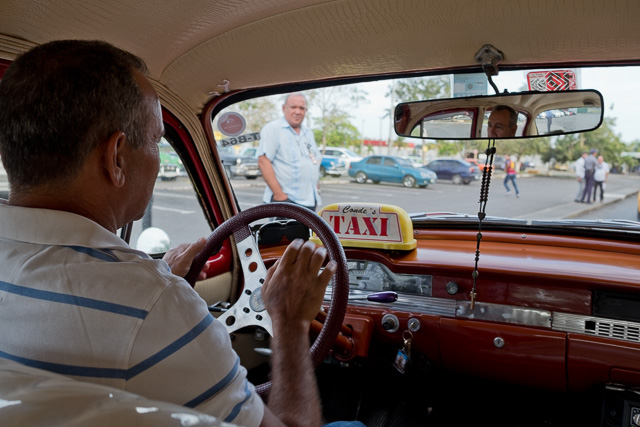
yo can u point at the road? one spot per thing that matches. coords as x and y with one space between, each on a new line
541 197
176 210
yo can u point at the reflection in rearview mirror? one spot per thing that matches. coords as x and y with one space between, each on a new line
534 114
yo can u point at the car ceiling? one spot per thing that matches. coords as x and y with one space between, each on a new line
192 47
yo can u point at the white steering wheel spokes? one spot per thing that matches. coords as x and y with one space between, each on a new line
250 309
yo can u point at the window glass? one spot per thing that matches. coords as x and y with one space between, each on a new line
174 206
374 161
360 118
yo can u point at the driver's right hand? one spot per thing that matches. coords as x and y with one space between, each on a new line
294 289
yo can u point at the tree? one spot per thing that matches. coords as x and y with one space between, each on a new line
413 89
604 139
332 126
256 112
405 90
340 133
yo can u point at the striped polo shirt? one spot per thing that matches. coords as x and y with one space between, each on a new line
77 300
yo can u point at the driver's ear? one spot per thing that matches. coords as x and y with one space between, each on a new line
114 158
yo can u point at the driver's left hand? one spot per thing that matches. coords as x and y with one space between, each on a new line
181 257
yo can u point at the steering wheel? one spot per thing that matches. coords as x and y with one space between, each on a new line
250 310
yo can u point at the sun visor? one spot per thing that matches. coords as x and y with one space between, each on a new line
370 225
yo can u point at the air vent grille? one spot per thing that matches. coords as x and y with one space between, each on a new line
608 328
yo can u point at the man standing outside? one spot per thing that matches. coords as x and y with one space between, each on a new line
580 175
590 163
289 157
600 177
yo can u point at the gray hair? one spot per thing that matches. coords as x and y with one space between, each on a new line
59 101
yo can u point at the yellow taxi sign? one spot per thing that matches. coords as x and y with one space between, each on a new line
370 225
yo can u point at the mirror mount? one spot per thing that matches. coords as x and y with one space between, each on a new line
489 57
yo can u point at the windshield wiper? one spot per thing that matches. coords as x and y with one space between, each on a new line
608 224
450 217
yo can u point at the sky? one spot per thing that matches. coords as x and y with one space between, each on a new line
620 88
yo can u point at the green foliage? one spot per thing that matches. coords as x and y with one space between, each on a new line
449 148
332 126
569 147
405 90
340 133
257 112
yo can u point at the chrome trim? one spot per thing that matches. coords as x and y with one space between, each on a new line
405 303
557 321
597 326
504 313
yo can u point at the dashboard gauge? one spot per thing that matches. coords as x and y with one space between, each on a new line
367 275
373 276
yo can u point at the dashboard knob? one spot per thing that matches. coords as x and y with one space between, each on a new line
413 324
390 323
452 288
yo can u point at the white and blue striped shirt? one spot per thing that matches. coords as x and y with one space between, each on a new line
77 300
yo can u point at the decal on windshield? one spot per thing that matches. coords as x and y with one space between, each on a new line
249 137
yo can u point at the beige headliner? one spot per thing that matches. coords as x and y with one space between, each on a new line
192 46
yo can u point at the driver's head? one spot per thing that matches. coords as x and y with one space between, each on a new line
59 101
503 122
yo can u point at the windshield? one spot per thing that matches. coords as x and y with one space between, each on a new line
532 179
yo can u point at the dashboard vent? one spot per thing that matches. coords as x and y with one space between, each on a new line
601 327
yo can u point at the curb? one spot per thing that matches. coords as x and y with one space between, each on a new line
595 205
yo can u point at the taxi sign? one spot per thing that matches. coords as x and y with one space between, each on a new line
370 225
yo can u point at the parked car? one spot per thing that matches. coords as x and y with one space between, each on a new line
332 166
527 164
416 161
346 155
481 165
240 164
391 169
170 166
526 315
455 170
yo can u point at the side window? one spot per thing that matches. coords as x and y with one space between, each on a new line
4 183
174 209
389 162
374 161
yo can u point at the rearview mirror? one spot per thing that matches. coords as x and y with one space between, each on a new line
538 114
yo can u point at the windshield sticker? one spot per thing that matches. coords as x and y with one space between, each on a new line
550 81
232 124
249 137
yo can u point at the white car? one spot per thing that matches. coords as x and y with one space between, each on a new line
344 154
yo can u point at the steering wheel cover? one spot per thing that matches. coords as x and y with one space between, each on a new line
238 225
